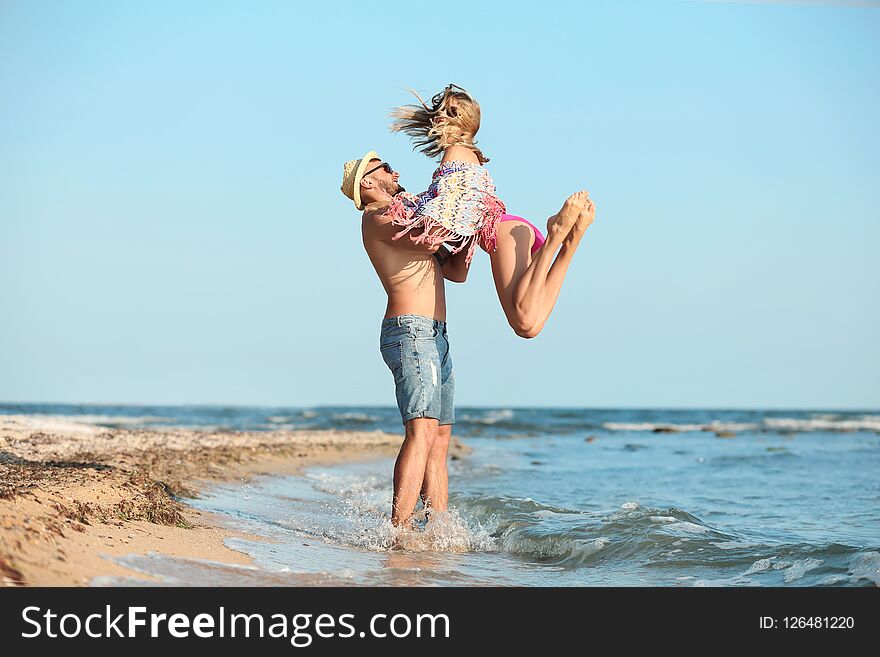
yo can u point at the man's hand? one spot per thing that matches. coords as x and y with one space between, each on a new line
454 265
442 256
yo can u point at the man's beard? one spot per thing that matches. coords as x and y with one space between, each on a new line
393 189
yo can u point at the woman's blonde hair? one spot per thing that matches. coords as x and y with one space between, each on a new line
452 120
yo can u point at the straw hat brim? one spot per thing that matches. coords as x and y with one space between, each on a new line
358 174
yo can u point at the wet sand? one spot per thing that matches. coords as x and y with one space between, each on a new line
71 493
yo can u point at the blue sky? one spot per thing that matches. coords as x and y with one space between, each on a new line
171 228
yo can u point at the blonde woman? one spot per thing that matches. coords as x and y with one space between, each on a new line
460 209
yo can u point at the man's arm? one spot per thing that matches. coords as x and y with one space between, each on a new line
381 228
454 266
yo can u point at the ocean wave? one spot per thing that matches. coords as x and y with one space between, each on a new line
829 564
561 548
358 418
489 417
506 508
798 569
866 566
446 532
760 566
75 423
571 539
361 502
670 427
287 426
824 423
734 545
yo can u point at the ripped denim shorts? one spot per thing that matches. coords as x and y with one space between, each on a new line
416 350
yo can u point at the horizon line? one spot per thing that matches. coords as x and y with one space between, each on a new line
462 406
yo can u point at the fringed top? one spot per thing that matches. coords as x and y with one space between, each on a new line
459 204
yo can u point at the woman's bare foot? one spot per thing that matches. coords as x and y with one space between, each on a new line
563 221
585 218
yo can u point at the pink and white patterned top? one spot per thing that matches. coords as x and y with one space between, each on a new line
459 204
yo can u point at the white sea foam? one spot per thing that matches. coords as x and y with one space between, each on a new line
823 423
662 519
114 419
519 538
663 426
866 566
82 423
759 566
718 425
733 545
685 526
587 547
290 426
650 426
490 417
355 417
629 506
816 423
352 488
796 570
446 532
362 501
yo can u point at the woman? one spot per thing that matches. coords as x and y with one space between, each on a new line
460 209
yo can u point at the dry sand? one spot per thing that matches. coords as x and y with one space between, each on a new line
71 493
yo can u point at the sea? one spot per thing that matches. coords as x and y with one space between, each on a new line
549 497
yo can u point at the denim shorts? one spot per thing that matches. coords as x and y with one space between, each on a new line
416 350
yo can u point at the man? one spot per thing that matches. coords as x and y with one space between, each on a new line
414 342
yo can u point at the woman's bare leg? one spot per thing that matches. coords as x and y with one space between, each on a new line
553 282
522 279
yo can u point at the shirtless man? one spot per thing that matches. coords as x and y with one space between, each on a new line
414 342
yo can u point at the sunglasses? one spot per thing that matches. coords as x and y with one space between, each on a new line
384 165
450 89
453 87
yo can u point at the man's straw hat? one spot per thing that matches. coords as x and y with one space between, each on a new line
352 172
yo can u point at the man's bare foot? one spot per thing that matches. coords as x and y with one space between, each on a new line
564 220
585 218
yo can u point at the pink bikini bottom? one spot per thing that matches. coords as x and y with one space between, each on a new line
539 238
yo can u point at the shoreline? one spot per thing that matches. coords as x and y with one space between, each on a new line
71 493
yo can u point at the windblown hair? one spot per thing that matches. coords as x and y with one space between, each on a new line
452 120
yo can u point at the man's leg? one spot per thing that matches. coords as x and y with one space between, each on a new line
409 470
435 487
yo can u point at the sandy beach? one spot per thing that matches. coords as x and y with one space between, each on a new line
73 493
